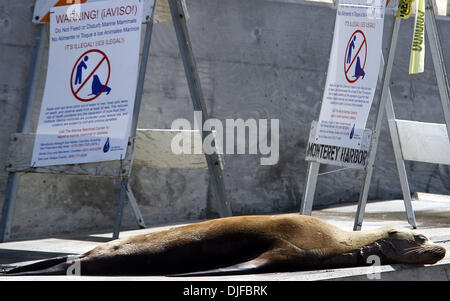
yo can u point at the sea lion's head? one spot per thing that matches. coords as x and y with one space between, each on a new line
406 246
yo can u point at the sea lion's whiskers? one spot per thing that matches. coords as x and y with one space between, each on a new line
414 250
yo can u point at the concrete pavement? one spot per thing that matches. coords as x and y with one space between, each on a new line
432 214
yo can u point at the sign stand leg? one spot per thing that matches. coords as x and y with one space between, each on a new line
399 162
438 60
193 79
23 126
386 104
376 133
119 214
135 207
124 186
310 188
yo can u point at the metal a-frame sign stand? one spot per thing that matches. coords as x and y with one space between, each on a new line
21 141
400 131
401 150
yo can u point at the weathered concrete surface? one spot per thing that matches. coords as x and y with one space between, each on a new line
257 59
433 220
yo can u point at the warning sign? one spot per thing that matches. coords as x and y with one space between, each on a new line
352 74
90 88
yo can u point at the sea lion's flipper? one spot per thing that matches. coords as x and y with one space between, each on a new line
52 266
248 267
267 261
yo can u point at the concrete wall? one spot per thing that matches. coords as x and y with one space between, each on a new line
257 59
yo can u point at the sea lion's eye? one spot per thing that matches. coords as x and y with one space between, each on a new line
420 237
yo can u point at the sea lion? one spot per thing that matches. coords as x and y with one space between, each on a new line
246 244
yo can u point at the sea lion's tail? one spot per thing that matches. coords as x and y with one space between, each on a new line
52 266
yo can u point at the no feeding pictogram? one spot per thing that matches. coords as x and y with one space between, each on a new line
355 57
90 75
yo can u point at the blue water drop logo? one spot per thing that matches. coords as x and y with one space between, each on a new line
106 146
352 132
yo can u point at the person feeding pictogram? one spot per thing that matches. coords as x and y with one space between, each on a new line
79 75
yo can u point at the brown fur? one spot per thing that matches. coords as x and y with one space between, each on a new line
277 242
250 244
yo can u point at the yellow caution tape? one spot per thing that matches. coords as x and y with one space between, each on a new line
404 9
417 60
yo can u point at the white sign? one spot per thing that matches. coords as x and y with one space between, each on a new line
352 74
90 88
338 155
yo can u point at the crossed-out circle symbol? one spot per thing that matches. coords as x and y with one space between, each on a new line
351 60
102 59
